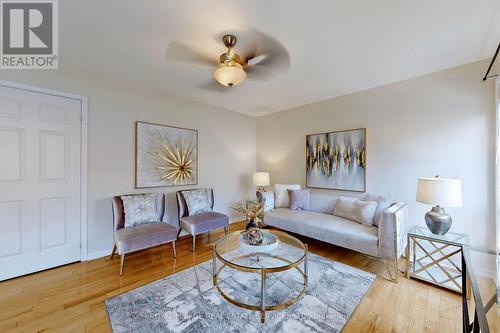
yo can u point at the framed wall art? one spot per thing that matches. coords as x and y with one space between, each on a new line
337 160
165 155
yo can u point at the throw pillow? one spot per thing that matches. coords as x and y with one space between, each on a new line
281 199
300 199
322 202
268 199
382 204
197 201
139 209
356 210
364 211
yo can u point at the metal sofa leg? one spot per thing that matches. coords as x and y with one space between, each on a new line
194 242
393 275
225 230
396 270
173 247
122 262
113 252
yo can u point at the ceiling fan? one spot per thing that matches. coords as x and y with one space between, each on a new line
258 58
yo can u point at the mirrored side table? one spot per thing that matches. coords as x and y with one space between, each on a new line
436 259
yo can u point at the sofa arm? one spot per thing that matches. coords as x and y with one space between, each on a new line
392 231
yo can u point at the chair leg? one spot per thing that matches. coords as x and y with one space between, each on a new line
122 262
179 232
173 247
113 252
225 230
194 242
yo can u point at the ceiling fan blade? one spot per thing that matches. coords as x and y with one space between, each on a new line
214 86
257 72
181 52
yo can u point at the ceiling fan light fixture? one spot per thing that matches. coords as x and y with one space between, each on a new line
230 73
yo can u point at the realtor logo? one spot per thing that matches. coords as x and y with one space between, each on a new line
29 34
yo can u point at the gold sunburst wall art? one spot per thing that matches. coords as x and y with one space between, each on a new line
337 160
165 155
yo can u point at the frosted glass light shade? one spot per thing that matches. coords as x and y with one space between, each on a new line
230 74
261 179
440 191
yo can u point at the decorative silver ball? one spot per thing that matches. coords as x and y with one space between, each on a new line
254 236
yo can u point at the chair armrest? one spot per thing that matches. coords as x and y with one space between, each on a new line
392 231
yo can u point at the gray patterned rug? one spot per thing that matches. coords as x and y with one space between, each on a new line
188 302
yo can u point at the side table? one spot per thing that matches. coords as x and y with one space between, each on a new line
436 259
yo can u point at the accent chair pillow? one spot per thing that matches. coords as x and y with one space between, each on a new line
356 210
139 209
197 201
382 204
281 198
300 199
268 199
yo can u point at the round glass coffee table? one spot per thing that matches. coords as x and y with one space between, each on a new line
290 254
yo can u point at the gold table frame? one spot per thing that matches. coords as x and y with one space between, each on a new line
435 257
263 272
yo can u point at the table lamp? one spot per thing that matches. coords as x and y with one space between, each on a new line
439 192
261 179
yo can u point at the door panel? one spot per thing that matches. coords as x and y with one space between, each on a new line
40 181
53 151
12 153
10 224
53 222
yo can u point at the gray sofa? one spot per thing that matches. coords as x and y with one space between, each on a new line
386 241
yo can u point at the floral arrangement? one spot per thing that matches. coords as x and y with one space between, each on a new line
252 210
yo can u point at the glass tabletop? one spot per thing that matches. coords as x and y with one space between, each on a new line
449 237
484 268
289 251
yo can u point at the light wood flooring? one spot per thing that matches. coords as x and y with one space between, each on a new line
71 298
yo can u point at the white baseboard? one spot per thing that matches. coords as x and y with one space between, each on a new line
98 254
236 219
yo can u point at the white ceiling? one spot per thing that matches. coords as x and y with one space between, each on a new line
336 47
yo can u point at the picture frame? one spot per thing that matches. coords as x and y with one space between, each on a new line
165 155
337 160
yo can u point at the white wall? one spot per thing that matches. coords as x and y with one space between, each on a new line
442 123
227 151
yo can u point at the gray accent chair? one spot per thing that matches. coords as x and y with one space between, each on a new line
127 240
202 222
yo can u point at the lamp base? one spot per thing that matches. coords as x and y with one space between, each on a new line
438 221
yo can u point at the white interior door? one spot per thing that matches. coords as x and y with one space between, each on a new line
40 186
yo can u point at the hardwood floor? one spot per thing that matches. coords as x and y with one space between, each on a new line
71 298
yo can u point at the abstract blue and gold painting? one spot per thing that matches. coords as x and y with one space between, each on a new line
337 160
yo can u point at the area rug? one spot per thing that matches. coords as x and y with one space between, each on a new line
188 302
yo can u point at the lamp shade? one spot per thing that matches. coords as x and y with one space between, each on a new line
440 191
261 179
229 74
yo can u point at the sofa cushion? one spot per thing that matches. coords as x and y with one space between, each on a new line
204 222
382 204
322 202
328 228
300 199
268 198
356 210
144 236
281 198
